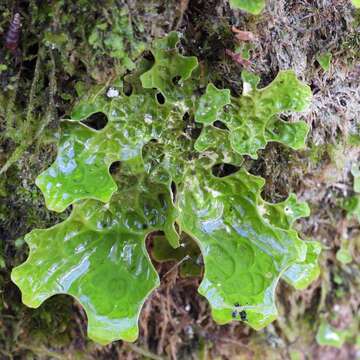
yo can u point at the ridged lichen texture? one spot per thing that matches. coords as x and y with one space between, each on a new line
166 183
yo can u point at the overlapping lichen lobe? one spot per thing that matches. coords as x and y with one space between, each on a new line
12 36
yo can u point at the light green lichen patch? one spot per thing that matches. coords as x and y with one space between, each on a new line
241 273
344 255
170 68
251 119
300 275
81 169
211 104
98 256
251 6
329 336
167 142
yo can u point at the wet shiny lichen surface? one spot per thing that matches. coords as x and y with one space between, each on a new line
251 6
165 183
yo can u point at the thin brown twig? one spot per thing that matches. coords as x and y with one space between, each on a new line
175 266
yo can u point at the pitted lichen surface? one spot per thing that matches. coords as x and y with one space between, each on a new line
301 274
165 137
85 154
244 253
169 68
251 118
98 256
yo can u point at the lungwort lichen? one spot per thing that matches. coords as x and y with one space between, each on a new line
98 254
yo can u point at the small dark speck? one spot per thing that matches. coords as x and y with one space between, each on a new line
243 315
